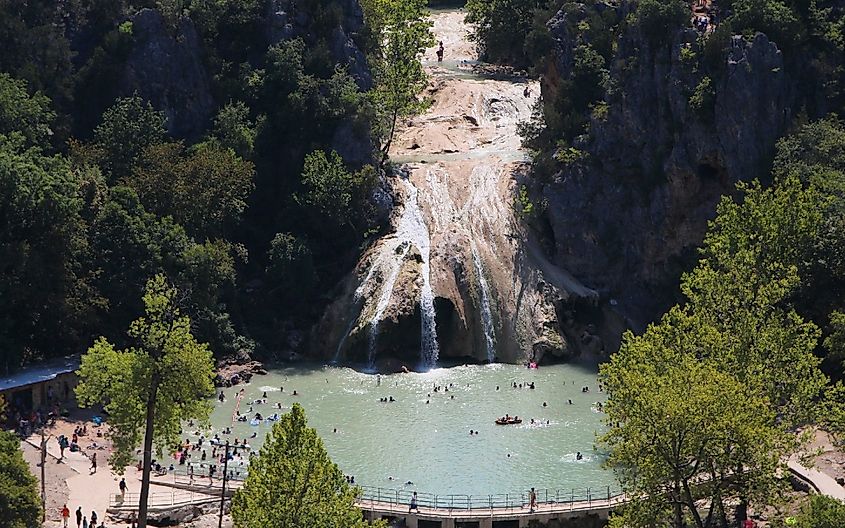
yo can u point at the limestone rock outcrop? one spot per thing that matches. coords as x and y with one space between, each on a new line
628 221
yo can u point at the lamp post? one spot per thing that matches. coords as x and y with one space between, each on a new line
223 487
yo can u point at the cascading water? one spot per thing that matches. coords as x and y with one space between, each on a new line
384 299
486 312
413 229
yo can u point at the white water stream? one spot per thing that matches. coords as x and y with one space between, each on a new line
486 312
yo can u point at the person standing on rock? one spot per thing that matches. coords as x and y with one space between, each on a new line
65 515
93 518
93 468
440 51
79 517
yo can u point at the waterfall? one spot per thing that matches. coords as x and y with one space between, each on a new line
384 298
486 312
356 299
413 229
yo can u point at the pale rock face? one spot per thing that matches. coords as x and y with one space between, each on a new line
455 238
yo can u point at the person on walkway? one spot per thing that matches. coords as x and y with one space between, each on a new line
413 505
93 468
84 522
65 515
79 517
122 487
532 500
440 51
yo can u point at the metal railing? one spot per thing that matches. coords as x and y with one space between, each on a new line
377 498
547 500
159 499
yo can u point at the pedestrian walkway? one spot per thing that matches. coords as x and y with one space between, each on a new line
822 483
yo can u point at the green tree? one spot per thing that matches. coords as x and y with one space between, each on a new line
20 503
294 483
29 115
500 27
404 31
821 511
660 20
127 128
680 425
745 346
328 186
150 388
291 268
204 190
234 130
44 283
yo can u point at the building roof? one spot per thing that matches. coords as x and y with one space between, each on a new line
40 373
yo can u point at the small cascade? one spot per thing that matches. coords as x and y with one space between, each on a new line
411 231
359 294
384 299
412 228
486 312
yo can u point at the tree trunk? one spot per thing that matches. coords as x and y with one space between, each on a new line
386 149
679 512
148 452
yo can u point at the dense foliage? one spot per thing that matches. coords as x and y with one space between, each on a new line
253 196
714 391
20 503
149 389
294 483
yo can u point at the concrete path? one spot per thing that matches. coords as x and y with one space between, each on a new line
823 483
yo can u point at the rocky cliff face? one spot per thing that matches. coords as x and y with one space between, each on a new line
628 220
457 277
165 66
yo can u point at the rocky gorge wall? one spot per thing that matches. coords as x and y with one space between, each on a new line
627 221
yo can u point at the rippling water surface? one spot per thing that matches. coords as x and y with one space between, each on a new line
429 443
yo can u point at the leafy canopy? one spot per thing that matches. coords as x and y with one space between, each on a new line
167 366
20 502
714 391
29 115
294 483
404 31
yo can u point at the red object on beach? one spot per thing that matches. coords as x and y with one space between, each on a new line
748 523
532 365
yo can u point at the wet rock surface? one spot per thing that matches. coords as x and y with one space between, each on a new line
454 225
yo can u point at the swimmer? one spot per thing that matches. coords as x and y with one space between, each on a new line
295 394
497 387
545 404
264 395
335 429
578 456
427 402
